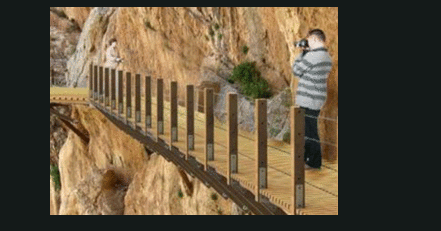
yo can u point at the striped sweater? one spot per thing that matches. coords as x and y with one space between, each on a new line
313 70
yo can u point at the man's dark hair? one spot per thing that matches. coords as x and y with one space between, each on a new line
112 40
319 33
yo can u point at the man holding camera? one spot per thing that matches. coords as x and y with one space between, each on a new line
312 67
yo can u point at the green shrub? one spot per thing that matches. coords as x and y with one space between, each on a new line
211 32
180 194
214 196
55 174
245 49
250 80
257 89
216 26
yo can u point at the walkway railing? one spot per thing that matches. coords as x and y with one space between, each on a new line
153 115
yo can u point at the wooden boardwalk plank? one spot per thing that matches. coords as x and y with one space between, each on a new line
69 95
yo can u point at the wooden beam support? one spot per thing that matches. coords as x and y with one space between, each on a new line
260 117
232 133
148 102
95 83
120 93
113 89
128 95
173 111
190 119
83 135
160 106
209 126
137 98
106 87
101 85
297 115
90 81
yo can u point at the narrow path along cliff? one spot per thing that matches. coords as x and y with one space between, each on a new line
114 174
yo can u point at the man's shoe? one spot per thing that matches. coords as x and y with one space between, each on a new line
309 167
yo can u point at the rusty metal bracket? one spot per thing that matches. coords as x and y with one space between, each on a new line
68 122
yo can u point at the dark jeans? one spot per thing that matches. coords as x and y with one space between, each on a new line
313 154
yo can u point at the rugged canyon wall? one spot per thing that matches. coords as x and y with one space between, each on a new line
187 42
114 175
192 45
201 46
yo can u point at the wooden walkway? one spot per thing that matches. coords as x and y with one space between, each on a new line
69 95
320 186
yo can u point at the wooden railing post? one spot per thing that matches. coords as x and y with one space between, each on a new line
297 158
137 98
148 102
261 146
106 87
232 133
101 85
113 89
209 126
90 81
190 119
95 83
173 111
160 106
128 96
120 93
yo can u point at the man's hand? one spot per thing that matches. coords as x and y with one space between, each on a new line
300 66
304 52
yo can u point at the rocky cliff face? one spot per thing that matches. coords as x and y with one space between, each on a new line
200 46
114 175
192 45
189 43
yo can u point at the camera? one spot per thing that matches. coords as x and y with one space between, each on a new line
302 44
